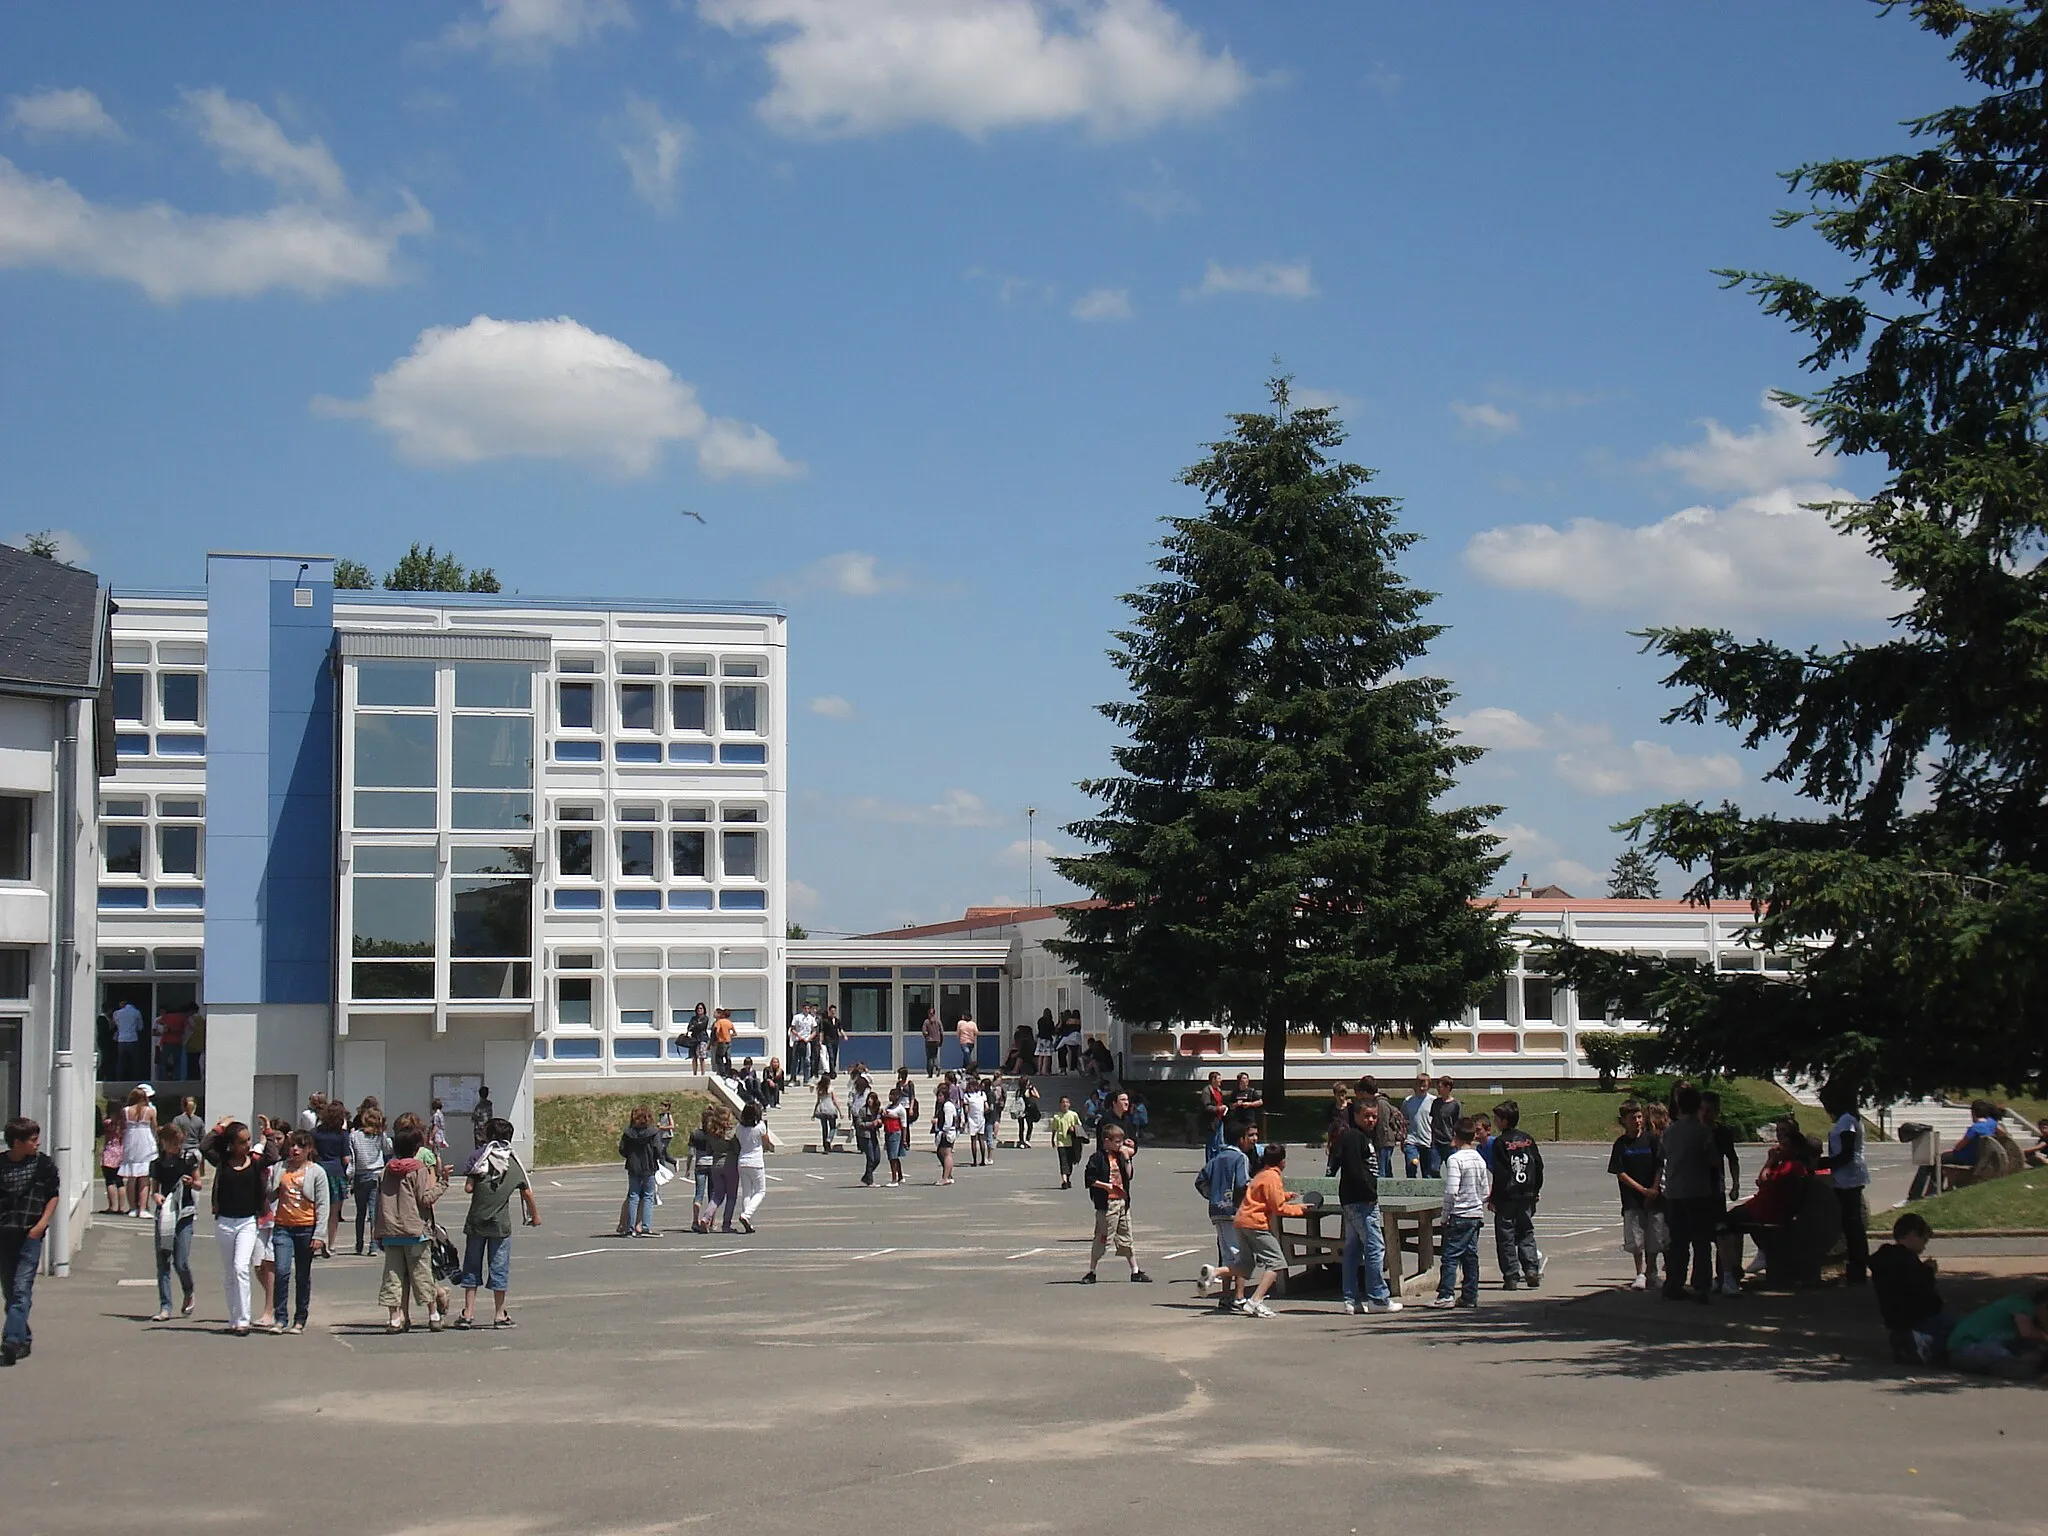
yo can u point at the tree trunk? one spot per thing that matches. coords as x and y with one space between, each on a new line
1275 1093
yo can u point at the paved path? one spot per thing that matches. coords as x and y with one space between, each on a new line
925 1357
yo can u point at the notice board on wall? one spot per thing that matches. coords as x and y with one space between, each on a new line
458 1091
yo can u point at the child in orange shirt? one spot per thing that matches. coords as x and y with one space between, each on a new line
1258 1248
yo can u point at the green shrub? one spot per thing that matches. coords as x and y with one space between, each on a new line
1606 1052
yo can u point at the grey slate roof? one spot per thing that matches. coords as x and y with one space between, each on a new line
50 619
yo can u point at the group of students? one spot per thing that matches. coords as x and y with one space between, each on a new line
728 1167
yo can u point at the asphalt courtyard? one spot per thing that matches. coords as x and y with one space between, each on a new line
926 1359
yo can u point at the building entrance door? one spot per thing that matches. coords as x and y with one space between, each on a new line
864 1008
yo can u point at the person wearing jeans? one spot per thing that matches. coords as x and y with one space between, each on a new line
175 1175
28 1200
368 1147
1467 1186
299 1188
643 1148
1364 1263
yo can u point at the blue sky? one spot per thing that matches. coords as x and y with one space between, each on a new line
922 304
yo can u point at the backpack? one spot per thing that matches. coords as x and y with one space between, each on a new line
1518 1166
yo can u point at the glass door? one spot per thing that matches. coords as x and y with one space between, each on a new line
864 1006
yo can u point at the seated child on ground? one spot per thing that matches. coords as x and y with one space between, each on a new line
2008 1338
1907 1299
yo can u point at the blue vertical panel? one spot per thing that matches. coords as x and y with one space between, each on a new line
298 895
237 772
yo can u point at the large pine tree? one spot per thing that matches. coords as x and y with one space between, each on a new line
1276 850
1917 894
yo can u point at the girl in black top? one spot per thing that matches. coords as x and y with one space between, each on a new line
174 1175
241 1183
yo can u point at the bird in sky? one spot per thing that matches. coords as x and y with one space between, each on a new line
698 515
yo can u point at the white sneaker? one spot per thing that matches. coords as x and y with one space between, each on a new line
1353 1308
1389 1305
1259 1309
1441 1302
1204 1278
1640 1283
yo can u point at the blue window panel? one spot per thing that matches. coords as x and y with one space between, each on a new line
636 1050
639 1017
579 752
742 752
124 898
638 751
578 901
186 898
576 1050
988 972
919 973
540 1050
689 901
689 751
132 744
812 973
178 744
636 901
743 901
866 973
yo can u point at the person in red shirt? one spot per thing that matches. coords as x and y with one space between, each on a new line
1780 1185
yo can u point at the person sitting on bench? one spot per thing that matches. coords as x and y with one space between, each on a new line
1780 1189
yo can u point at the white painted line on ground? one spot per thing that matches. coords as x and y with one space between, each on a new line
135 1282
818 1176
875 1255
1183 1253
1025 1254
579 1253
775 1178
558 1184
1580 1233
724 1253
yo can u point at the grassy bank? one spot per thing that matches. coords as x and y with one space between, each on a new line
585 1127
1582 1114
2019 1201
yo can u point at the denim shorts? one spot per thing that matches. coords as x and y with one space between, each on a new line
482 1253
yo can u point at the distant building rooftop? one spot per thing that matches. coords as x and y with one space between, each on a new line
50 621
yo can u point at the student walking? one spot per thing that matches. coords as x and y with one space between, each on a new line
755 1142
406 1196
138 1148
1222 1182
945 1132
1517 1166
1467 1187
1026 1107
723 1148
934 1034
1364 1261
175 1178
241 1195
298 1192
721 1042
1848 1171
1415 1147
28 1201
1636 1161
494 1178
1108 1177
1047 1033
699 1033
868 1122
331 1151
368 1149
975 1120
1259 1255
1067 1140
896 1131
643 1149
825 1110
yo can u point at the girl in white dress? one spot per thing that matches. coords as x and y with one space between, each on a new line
138 1148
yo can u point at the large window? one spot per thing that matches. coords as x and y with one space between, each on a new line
576 706
393 939
178 697
395 751
689 707
575 850
742 855
636 707
491 922
14 836
636 854
686 854
743 707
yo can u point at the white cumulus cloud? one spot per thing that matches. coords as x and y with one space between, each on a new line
1103 304
832 707
548 389
313 246
1487 417
850 573
1778 451
76 110
1274 279
653 147
845 67
527 31
1612 769
248 139
1499 728
956 808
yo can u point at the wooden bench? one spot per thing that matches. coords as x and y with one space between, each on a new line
1408 1218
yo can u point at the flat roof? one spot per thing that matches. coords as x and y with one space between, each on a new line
377 597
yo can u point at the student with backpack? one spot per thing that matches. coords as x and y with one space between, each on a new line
1517 1164
1222 1182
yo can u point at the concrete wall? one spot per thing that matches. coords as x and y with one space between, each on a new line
413 1053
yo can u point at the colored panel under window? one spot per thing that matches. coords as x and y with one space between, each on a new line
636 901
638 751
742 752
576 1050
687 751
579 752
132 744
743 901
179 898
636 1050
1499 1040
123 898
689 901
578 901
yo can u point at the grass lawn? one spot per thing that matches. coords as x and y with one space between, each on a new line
2019 1200
585 1127
1587 1114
